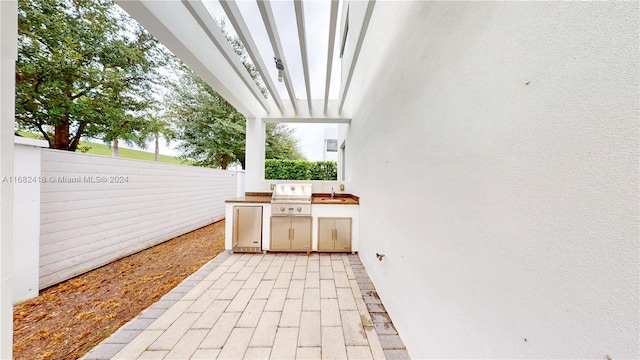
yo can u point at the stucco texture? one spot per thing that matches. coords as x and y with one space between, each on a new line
494 147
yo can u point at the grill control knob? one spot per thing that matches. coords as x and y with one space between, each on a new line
282 208
299 209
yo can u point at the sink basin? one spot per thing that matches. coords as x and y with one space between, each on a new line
336 200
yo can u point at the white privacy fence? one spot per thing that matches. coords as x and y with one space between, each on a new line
96 209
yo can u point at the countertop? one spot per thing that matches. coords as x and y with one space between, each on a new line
338 199
317 199
252 197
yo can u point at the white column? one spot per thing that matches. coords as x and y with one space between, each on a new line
8 55
26 219
240 182
255 155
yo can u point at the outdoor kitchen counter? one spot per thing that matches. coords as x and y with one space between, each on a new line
317 199
338 199
308 215
254 198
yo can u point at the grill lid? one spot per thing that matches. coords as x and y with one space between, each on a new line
291 192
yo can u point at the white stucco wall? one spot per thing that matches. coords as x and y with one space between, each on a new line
495 150
254 177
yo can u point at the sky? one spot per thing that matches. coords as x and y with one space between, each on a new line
310 136
311 139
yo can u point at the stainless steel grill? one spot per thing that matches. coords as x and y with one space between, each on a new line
291 200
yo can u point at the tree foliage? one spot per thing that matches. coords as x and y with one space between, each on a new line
281 143
210 130
84 69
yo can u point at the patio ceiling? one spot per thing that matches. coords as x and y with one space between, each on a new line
189 29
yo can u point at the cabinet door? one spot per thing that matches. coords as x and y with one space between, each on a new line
280 233
301 233
343 234
326 234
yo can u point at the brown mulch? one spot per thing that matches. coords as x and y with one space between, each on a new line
68 319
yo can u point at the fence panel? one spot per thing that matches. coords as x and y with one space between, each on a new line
97 209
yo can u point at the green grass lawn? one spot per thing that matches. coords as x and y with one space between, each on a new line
103 149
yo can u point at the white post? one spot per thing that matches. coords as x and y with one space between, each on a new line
240 183
26 218
255 155
8 55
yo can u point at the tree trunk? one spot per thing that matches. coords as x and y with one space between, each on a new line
224 161
75 141
157 154
61 136
114 148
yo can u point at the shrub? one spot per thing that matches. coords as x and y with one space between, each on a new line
83 148
299 170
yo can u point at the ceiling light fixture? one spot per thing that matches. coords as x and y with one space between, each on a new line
280 68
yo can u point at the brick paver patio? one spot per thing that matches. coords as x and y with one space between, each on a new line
255 306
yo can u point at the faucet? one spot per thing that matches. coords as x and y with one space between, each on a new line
333 193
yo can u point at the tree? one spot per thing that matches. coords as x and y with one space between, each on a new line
130 129
84 69
157 128
211 131
281 143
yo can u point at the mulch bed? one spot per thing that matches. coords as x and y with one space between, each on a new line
68 319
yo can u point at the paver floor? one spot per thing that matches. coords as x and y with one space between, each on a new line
263 306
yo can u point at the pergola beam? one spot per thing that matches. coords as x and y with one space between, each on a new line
235 17
333 20
311 120
175 27
315 116
352 65
203 17
270 24
302 37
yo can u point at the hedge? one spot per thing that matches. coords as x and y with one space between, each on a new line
300 170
